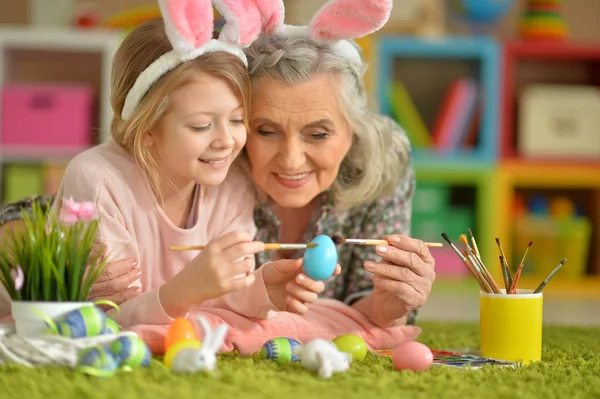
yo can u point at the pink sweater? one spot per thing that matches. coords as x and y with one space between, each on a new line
132 225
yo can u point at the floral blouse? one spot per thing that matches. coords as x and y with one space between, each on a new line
389 215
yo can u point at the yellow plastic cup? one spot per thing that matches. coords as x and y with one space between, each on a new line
511 326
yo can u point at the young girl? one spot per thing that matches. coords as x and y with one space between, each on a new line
180 98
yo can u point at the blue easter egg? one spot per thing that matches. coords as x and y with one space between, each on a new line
320 261
96 361
131 351
87 321
281 350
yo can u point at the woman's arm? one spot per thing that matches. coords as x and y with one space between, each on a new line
390 215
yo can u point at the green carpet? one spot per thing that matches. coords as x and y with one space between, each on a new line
571 369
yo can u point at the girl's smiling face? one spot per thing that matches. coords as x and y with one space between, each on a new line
201 133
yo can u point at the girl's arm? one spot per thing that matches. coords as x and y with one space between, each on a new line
239 197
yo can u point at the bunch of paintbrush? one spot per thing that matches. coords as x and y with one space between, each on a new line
510 283
472 260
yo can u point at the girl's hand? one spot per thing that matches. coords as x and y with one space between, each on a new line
225 265
289 289
402 280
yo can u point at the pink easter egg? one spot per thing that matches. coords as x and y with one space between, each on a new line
412 356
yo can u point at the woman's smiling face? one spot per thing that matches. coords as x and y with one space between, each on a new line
298 138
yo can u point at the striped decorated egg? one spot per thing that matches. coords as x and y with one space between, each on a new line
131 351
110 327
97 361
87 321
280 349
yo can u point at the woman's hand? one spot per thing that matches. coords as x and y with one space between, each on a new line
225 265
113 282
289 289
402 280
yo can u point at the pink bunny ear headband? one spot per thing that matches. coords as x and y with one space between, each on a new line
189 26
336 22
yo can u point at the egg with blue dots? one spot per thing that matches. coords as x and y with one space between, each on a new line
320 261
130 351
97 361
280 350
87 321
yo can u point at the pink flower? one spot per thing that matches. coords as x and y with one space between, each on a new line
18 277
87 211
73 211
68 218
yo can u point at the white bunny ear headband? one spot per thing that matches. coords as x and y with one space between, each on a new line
189 26
336 22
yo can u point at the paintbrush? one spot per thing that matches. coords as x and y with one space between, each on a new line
505 275
474 243
479 274
484 271
547 279
513 287
486 274
268 247
339 240
504 263
472 268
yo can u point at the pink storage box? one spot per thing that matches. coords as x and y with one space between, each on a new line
57 116
447 263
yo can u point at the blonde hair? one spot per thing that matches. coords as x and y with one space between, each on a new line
140 48
379 155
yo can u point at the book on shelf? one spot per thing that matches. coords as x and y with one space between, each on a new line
456 124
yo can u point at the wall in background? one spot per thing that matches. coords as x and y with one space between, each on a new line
586 13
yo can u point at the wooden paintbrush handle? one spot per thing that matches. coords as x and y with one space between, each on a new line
478 277
268 247
276 246
385 242
187 248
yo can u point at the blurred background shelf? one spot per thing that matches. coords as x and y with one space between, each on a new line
444 92
55 102
526 163
559 206
573 70
452 198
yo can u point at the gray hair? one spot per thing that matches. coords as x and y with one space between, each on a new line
380 153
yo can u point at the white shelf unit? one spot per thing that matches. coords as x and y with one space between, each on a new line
85 52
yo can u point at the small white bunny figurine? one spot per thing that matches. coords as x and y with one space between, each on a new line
323 356
204 359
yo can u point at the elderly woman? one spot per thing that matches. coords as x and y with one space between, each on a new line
323 163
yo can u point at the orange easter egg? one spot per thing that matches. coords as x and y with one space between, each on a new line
179 330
